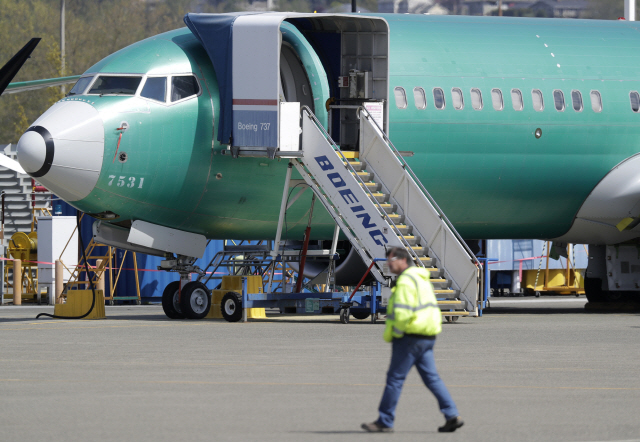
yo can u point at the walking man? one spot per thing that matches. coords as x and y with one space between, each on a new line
413 321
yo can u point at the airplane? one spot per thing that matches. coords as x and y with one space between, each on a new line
518 127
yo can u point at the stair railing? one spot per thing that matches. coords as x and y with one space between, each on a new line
406 167
336 148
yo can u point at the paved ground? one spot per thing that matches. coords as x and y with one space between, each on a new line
528 370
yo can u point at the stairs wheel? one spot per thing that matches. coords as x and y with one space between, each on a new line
170 303
195 300
452 318
360 315
344 315
231 307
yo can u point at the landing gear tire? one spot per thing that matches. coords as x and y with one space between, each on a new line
170 303
195 300
344 315
231 307
593 290
360 315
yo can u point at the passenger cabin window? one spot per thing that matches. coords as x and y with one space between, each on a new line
420 98
401 97
476 99
496 98
635 101
80 86
516 98
184 86
155 88
576 99
457 99
558 99
596 101
438 98
110 85
538 101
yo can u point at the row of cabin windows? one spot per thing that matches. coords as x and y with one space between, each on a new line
497 99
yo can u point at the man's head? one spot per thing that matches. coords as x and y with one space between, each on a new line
398 259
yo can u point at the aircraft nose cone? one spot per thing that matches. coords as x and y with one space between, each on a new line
64 148
35 151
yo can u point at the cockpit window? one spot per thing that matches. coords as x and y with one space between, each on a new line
107 85
80 86
183 87
155 88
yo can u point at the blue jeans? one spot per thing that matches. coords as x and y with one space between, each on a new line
407 352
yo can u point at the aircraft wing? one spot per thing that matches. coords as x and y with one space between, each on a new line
22 86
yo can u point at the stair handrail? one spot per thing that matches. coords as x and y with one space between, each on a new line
415 178
383 212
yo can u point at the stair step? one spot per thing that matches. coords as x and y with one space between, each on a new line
419 250
372 186
446 293
357 165
427 261
396 218
453 303
365 176
441 283
410 239
351 154
389 208
404 229
435 272
381 197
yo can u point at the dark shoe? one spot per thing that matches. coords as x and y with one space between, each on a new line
375 427
451 425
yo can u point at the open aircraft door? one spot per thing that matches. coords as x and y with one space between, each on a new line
247 54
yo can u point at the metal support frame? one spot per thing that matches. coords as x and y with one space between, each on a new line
283 210
486 283
331 279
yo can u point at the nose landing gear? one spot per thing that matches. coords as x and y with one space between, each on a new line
193 300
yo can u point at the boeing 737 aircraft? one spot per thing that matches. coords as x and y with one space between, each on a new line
519 128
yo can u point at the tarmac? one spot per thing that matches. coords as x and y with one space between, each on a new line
529 369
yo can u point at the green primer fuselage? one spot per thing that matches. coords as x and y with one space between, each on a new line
485 168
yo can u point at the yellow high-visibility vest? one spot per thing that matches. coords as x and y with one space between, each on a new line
412 307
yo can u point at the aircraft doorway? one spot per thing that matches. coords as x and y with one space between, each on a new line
294 82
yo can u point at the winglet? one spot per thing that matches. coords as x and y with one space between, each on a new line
12 67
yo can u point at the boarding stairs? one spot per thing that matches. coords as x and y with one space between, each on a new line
378 202
96 270
18 188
